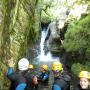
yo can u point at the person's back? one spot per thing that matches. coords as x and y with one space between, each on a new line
44 78
43 75
18 81
61 79
32 82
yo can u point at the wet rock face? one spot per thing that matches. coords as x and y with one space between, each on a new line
53 36
33 52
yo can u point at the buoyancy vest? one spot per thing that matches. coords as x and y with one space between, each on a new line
63 81
45 82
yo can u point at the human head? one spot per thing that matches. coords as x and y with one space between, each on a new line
31 66
44 67
57 68
33 79
23 64
84 77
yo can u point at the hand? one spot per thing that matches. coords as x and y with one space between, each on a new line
11 63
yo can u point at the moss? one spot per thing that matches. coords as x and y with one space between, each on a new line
4 82
77 44
17 26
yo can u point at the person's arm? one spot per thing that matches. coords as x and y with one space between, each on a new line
21 86
56 87
10 67
10 71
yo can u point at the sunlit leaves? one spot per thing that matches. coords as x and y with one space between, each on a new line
78 36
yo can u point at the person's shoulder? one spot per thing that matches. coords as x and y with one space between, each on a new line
56 87
28 73
66 76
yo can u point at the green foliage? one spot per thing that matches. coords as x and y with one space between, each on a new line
77 67
4 82
45 17
77 37
17 26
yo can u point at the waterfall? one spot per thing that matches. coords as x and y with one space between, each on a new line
45 58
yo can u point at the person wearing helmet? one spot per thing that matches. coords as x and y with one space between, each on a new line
18 82
31 66
32 81
43 76
84 81
61 79
22 79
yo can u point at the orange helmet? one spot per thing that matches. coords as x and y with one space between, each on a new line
31 66
45 67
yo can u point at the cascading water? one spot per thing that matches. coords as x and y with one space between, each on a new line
45 58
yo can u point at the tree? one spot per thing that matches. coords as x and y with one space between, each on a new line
77 39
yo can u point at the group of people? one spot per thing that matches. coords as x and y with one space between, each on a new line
26 78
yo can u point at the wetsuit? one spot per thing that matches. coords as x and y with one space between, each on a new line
43 77
18 82
62 82
26 77
30 85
